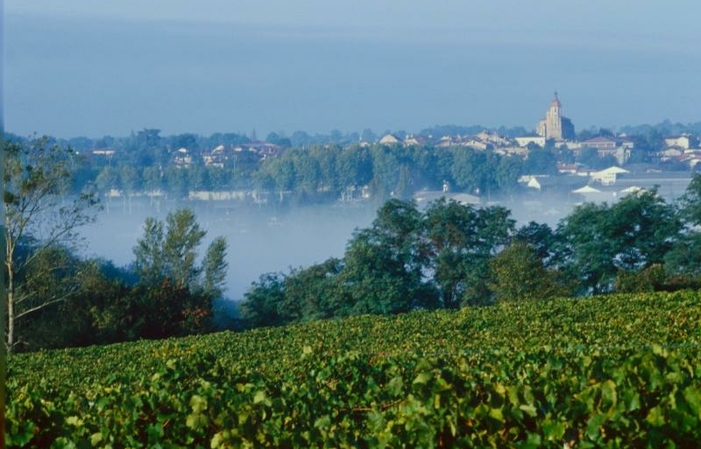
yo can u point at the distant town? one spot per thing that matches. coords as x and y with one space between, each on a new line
469 164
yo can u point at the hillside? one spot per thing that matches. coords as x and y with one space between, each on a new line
615 370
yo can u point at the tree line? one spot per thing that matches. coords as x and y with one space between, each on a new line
327 173
451 255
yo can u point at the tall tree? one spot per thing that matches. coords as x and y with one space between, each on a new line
166 258
685 256
518 274
263 301
39 218
383 264
460 240
169 251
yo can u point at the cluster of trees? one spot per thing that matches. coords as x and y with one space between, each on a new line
451 255
56 298
67 300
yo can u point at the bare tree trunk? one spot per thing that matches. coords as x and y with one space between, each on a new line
8 286
3 253
10 312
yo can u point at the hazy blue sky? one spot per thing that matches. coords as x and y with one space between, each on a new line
79 67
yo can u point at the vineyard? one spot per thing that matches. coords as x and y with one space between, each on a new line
615 371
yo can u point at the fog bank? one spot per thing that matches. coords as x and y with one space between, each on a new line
260 240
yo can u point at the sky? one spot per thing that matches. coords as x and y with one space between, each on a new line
112 67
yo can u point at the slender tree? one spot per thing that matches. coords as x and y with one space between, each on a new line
39 217
170 249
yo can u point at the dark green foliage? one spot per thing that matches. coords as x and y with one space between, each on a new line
263 302
540 238
471 172
690 203
314 292
159 311
541 162
304 294
685 256
70 322
598 240
87 301
383 264
407 260
518 274
650 279
459 240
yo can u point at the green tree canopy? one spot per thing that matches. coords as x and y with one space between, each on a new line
518 274
597 240
383 264
459 240
169 250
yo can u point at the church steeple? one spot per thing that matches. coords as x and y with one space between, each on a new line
554 125
555 102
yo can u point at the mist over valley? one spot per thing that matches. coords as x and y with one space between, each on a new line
261 240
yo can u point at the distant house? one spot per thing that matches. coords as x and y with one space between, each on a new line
390 139
414 140
512 151
481 142
216 157
591 194
426 196
620 148
608 176
207 195
445 142
494 139
263 149
536 140
691 158
671 153
670 184
586 189
601 143
103 155
475 142
683 142
556 184
569 169
107 152
182 158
